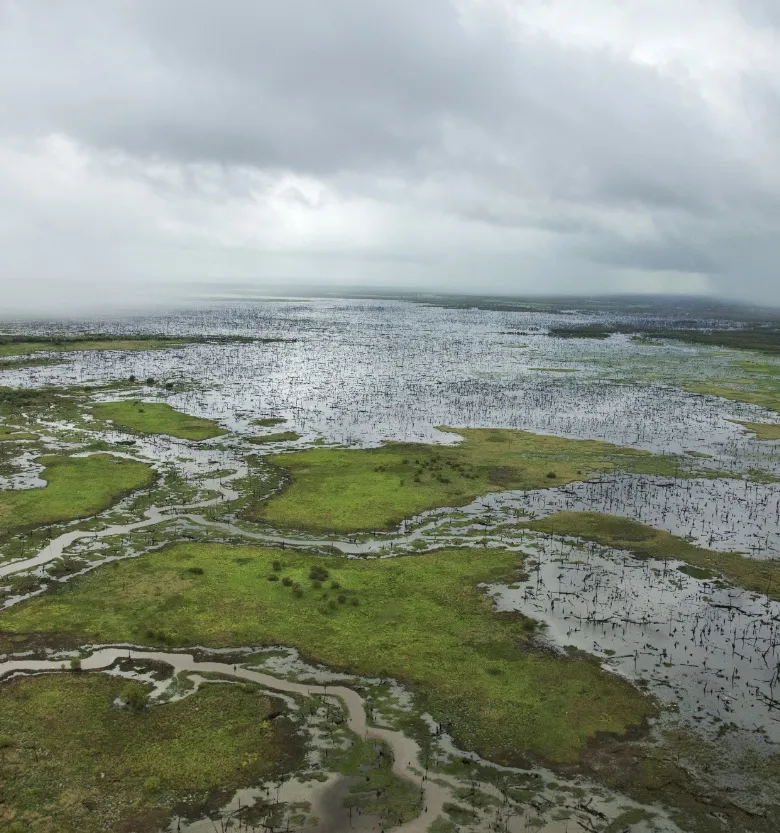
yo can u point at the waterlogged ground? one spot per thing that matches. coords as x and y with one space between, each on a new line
640 576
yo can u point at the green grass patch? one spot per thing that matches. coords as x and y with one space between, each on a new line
269 422
765 393
644 541
762 430
77 487
760 368
420 619
10 433
278 437
346 490
73 761
378 791
156 418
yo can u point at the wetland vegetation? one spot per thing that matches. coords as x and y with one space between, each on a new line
578 584
156 418
376 488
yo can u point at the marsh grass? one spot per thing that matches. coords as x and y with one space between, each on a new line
77 487
75 761
349 490
420 619
644 541
156 418
278 437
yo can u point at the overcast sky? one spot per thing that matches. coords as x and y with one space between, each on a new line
477 145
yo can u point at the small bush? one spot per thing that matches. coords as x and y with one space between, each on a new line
287 581
277 565
195 571
334 585
152 784
273 577
75 664
318 573
135 696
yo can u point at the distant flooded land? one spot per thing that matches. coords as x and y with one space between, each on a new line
419 563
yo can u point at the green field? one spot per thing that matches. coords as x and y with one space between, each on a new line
156 418
77 487
364 489
71 760
419 619
646 542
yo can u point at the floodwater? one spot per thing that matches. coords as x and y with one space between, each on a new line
361 372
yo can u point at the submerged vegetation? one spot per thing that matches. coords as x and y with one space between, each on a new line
419 619
760 339
362 489
643 541
23 345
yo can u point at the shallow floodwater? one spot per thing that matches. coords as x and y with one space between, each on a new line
362 372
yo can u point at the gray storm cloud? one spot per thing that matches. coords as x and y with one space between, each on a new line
471 146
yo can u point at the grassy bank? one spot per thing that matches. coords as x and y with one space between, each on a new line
765 393
156 418
417 618
363 489
77 487
645 542
71 760
762 430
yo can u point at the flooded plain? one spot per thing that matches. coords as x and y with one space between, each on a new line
358 373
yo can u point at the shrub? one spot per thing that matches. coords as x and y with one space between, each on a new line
75 664
318 573
273 577
287 581
135 696
277 565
